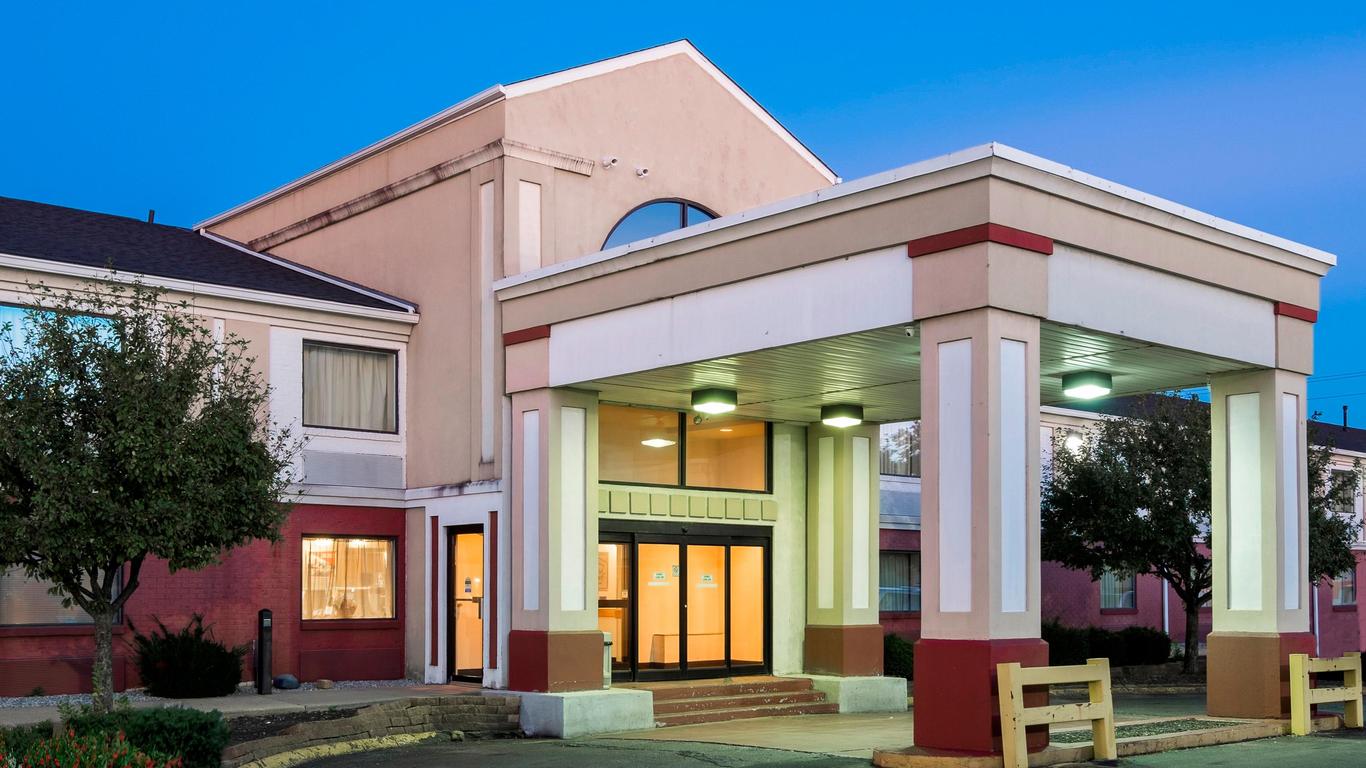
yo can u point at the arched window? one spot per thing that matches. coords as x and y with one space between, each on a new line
656 218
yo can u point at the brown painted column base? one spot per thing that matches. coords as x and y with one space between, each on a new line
848 651
554 662
956 711
1248 673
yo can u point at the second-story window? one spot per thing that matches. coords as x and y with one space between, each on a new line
350 387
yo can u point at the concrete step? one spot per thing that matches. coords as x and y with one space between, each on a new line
703 689
743 713
673 706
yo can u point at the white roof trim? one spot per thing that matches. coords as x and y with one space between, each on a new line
193 287
923 168
534 85
313 273
679 47
1162 204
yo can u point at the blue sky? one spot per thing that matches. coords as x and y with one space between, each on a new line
1258 115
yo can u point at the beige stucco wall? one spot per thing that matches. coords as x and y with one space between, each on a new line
668 116
418 247
699 142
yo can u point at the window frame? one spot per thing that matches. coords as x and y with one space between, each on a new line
683 204
1332 592
83 628
398 395
682 483
919 569
919 455
372 623
1120 610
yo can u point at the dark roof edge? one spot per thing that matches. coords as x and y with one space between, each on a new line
406 306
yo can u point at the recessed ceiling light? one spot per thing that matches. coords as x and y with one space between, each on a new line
1087 385
656 442
842 415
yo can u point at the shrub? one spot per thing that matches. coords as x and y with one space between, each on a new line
16 740
898 657
95 750
1066 645
196 737
1146 645
188 664
1127 647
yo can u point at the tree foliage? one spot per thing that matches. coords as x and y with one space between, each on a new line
127 431
1134 497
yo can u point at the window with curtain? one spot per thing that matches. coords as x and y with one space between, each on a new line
1345 588
900 449
27 602
898 582
349 578
350 387
1118 591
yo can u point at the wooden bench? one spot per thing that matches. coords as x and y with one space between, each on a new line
1012 679
1303 696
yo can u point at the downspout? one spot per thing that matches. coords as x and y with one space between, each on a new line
1166 610
1315 608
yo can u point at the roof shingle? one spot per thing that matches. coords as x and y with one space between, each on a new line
100 240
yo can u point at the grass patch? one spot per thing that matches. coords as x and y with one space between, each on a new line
1139 729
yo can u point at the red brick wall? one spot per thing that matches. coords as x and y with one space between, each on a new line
259 575
1074 599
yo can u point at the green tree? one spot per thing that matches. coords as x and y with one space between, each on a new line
1134 497
127 431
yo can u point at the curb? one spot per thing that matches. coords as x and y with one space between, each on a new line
304 754
1220 732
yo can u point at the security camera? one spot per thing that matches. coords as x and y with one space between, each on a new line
642 172
610 161
910 331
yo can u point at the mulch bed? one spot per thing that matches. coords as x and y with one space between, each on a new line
253 727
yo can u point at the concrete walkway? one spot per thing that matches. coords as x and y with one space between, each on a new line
253 704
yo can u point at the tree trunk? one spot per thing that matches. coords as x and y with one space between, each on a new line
1192 637
102 674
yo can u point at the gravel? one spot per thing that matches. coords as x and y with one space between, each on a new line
1140 729
136 695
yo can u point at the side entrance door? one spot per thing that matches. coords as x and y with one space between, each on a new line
465 603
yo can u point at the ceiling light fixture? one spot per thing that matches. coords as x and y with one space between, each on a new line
842 415
656 442
713 400
1087 385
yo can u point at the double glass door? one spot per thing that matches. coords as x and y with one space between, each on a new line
684 601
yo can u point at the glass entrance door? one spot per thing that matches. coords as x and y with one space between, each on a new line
684 602
465 608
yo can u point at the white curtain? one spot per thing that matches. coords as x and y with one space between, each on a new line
350 388
348 579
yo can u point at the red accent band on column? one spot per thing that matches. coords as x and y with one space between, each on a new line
526 334
1296 311
436 566
491 591
980 233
